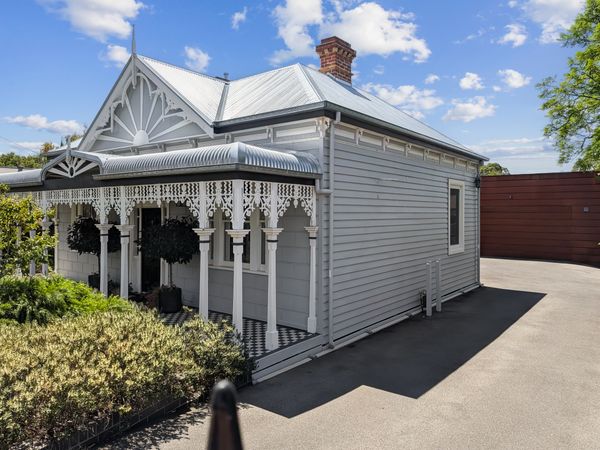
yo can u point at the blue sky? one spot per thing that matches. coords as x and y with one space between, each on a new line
467 68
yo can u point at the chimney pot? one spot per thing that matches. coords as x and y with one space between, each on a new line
336 58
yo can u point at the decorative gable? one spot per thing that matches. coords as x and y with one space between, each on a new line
71 164
140 111
71 167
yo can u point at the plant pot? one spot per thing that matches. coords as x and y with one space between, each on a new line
169 299
94 281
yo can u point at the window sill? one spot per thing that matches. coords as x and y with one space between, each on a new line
244 270
455 249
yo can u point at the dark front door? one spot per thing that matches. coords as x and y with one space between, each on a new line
150 266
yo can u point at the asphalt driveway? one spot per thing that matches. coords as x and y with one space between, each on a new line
515 364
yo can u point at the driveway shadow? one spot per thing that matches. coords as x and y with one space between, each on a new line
407 359
160 431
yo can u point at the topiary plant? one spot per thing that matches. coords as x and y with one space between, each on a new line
84 237
175 242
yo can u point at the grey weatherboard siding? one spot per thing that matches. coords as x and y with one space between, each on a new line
391 217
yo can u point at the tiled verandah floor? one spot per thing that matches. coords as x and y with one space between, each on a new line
254 330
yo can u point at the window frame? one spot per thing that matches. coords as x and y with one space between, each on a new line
218 248
460 247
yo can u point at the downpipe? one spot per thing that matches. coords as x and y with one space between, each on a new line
337 120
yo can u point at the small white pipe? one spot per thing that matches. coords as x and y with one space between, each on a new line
429 290
438 287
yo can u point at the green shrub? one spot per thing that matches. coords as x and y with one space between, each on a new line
64 376
216 349
39 299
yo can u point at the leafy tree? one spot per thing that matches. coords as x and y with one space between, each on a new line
84 237
46 147
18 216
27 162
573 104
493 168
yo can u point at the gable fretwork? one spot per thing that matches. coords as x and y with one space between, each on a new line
144 114
71 167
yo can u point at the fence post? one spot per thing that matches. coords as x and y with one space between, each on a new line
224 431
438 287
428 300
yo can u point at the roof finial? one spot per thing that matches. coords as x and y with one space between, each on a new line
133 49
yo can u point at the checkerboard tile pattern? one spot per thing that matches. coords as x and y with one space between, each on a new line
254 330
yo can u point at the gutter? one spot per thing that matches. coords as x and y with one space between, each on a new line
330 110
206 169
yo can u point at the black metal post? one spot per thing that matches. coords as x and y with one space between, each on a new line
224 425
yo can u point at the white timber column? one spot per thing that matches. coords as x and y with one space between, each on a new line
32 262
125 231
45 227
311 323
204 239
104 227
237 234
238 250
272 336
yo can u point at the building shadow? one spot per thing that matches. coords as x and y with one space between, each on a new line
408 358
159 431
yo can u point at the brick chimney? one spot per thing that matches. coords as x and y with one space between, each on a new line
336 58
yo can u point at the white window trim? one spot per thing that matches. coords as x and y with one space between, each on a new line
218 260
460 247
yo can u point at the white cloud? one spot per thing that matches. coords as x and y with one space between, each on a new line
431 78
116 55
521 155
513 79
516 35
31 146
469 110
379 70
408 98
471 81
39 122
293 21
238 18
196 59
496 88
368 27
371 29
98 19
479 33
513 4
554 16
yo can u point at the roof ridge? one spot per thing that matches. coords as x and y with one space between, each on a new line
309 80
265 72
193 72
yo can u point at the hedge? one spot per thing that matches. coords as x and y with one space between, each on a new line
42 299
64 376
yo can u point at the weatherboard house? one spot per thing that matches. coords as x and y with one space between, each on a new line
323 212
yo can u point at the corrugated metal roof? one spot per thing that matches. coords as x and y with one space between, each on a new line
347 96
202 91
25 177
275 90
284 90
213 158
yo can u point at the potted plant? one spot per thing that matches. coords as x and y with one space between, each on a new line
84 237
174 241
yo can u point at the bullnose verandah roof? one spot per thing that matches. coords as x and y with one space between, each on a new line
236 156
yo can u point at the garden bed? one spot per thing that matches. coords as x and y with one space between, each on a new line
96 371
